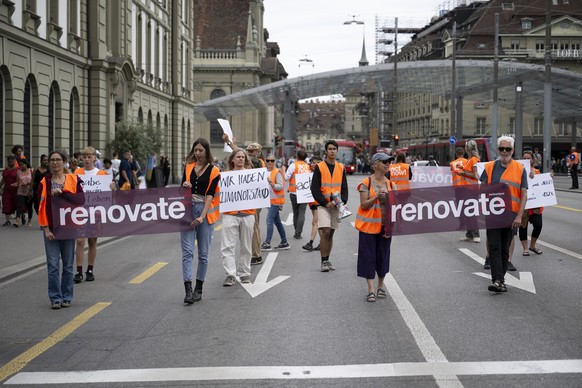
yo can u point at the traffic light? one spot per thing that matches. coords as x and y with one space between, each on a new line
395 140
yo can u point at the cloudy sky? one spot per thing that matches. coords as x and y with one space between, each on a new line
314 29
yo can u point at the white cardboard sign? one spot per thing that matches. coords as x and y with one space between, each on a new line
541 191
244 189
303 186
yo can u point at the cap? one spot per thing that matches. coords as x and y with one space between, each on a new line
254 147
381 156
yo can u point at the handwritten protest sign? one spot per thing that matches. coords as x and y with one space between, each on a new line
244 189
423 176
541 191
96 183
303 186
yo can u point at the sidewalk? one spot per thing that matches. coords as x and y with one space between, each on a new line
22 249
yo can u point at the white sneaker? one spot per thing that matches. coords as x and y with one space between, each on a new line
476 239
466 239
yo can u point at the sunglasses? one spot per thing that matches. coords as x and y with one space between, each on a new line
270 160
505 149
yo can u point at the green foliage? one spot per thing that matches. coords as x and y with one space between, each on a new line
143 140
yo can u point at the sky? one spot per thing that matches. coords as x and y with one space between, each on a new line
314 29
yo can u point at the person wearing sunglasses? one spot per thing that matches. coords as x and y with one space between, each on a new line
513 174
277 185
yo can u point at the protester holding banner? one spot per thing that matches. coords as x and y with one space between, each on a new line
469 176
57 183
88 156
298 167
277 187
202 178
329 178
400 172
532 216
512 173
313 206
373 244
237 228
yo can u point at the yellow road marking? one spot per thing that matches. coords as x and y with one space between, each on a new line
18 363
149 272
218 227
568 208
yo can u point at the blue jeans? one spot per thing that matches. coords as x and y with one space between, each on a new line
203 234
274 217
60 286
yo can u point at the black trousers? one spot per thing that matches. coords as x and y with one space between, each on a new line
499 241
574 174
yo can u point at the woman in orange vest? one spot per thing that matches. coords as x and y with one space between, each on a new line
201 177
57 183
534 216
277 183
89 156
313 161
373 244
237 228
469 177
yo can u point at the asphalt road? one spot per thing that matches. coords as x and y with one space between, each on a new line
439 325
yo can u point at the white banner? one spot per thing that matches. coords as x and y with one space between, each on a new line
303 186
96 183
244 189
429 176
541 191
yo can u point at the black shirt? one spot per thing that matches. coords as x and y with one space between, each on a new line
200 183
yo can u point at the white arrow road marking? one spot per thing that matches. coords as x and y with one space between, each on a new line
261 285
289 220
525 281
556 248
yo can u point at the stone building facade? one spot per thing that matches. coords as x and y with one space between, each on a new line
71 69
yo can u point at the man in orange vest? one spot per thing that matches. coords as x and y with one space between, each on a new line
298 167
573 160
457 167
512 173
329 177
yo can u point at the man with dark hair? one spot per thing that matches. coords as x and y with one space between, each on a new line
329 179
298 167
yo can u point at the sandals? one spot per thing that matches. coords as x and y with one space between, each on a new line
381 293
537 251
371 297
526 253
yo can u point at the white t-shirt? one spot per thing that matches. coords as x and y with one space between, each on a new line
94 171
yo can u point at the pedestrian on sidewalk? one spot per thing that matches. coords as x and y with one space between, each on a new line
573 160
201 178
10 188
23 193
57 183
277 196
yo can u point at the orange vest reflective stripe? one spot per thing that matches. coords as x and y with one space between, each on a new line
512 177
468 167
331 184
234 213
300 168
456 166
277 196
70 186
370 221
400 175
213 213
81 171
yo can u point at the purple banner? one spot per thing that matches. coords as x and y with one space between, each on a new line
446 209
122 213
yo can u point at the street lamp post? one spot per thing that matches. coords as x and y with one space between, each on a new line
363 60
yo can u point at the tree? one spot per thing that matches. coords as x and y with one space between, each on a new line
143 140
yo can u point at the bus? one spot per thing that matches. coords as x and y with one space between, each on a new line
443 152
346 154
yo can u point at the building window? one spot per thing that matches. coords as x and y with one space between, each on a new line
515 44
564 45
507 6
1 120
27 115
51 119
511 125
561 129
308 135
540 45
526 24
71 124
481 126
309 146
63 22
215 128
538 126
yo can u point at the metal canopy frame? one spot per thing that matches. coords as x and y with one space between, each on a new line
474 80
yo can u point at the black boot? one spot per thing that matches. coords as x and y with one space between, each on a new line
188 287
198 290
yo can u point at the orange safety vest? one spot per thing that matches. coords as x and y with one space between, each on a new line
575 161
468 167
213 213
329 183
512 178
277 196
400 175
300 168
81 171
70 186
370 221
456 166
